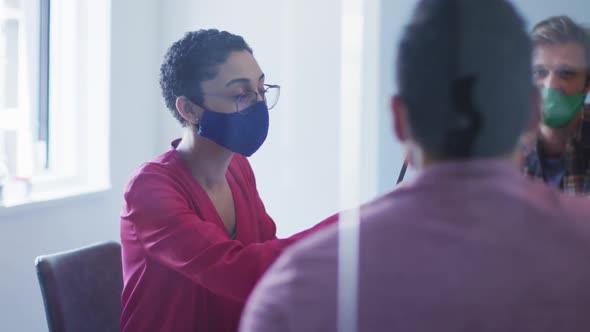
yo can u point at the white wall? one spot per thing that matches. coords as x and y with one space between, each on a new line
534 10
26 233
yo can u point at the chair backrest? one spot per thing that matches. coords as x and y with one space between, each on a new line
82 288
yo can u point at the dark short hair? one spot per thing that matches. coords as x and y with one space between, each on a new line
194 59
562 29
458 55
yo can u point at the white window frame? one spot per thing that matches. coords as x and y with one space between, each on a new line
79 104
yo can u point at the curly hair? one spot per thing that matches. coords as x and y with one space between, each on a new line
193 59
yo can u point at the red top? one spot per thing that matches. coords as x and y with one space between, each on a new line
181 270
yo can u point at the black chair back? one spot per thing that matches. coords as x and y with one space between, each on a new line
82 288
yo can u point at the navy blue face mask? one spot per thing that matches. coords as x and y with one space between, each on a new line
241 132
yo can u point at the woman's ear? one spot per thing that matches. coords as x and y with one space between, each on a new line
188 110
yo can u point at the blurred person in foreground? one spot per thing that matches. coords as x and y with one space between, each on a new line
470 244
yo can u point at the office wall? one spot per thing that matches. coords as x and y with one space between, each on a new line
534 11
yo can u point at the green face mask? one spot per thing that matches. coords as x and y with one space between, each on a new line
558 108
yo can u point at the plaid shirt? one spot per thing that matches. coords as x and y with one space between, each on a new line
576 160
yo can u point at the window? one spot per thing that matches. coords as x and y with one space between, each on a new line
54 59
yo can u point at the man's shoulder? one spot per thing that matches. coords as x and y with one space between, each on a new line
323 245
320 245
576 207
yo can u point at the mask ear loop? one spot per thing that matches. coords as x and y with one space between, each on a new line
195 117
402 172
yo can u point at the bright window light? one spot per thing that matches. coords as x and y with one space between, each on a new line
54 65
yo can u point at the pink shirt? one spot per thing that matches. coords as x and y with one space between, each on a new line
181 270
467 246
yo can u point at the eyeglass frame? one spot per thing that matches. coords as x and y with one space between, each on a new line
263 94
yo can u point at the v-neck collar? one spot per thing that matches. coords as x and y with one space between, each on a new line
209 210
